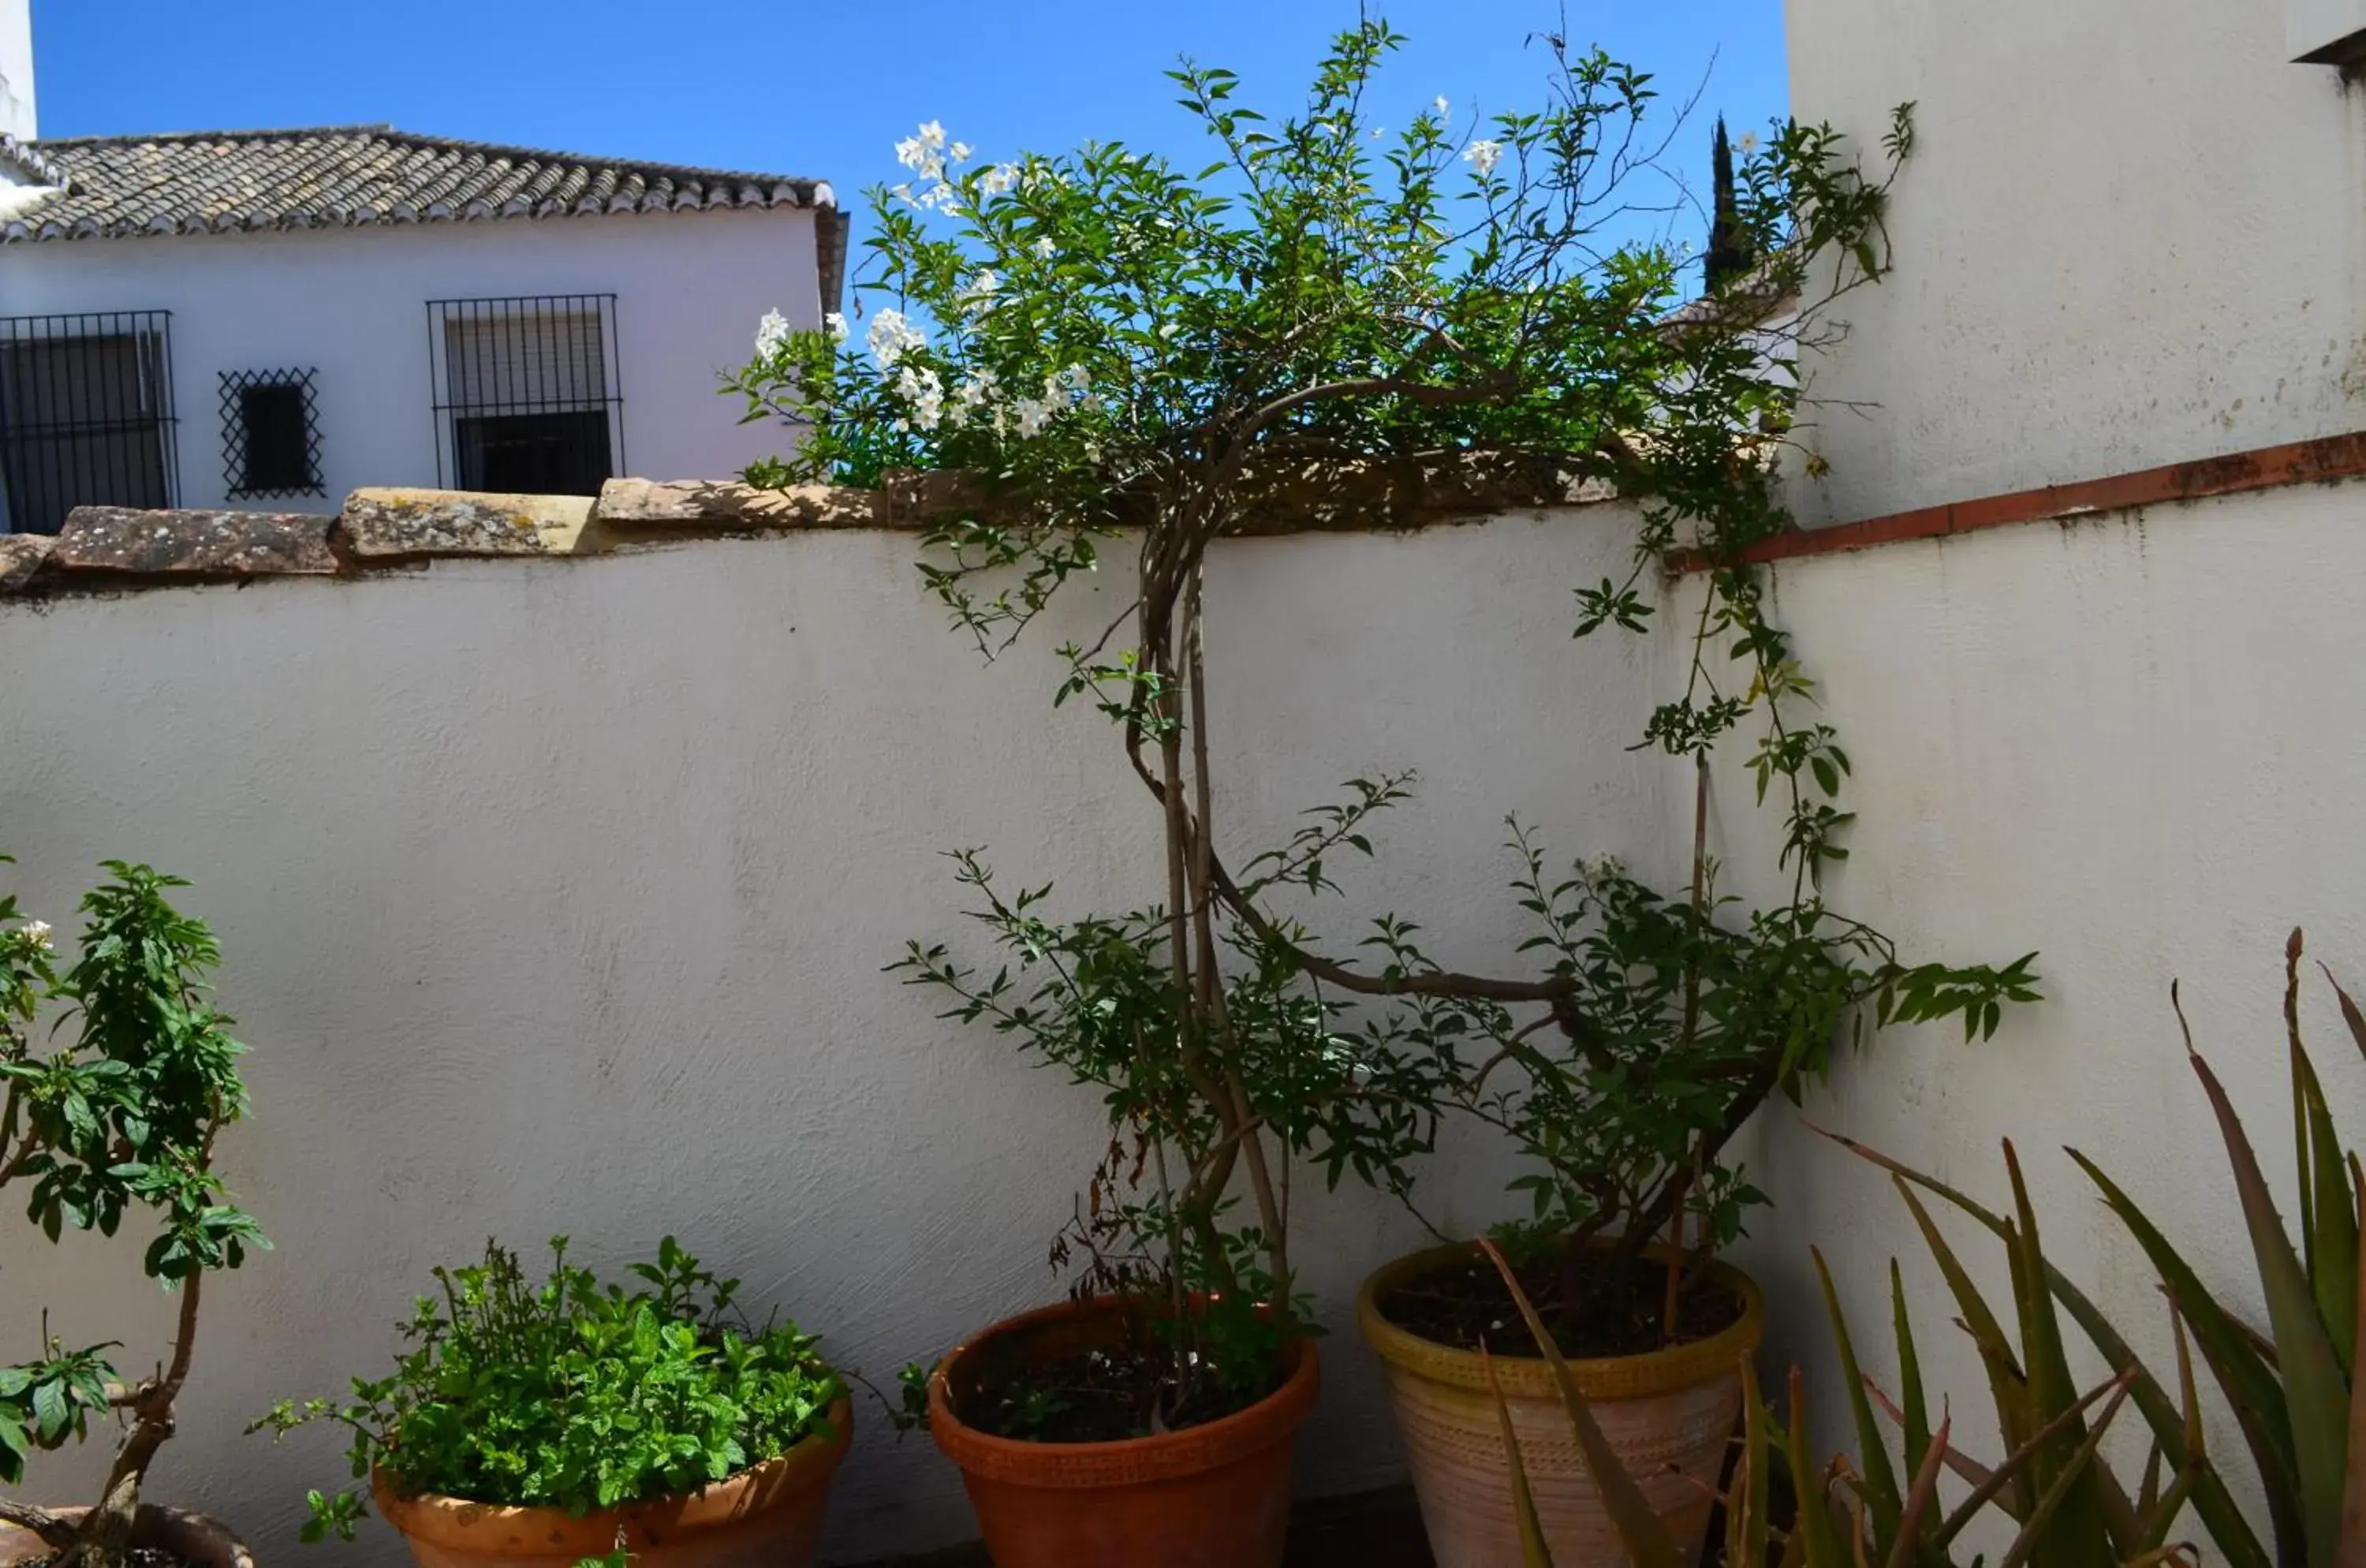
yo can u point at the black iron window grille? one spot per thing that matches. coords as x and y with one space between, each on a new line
271 434
86 415
527 394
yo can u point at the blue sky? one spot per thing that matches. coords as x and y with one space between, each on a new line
797 86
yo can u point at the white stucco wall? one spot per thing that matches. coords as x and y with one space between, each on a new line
353 303
556 895
16 117
2130 235
2129 745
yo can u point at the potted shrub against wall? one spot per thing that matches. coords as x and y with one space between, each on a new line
121 1118
543 1424
1685 1021
1352 319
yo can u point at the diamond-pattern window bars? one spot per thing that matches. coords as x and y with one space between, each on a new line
271 434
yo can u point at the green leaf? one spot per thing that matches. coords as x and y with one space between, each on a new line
1882 1496
2310 1372
1533 1553
1646 1539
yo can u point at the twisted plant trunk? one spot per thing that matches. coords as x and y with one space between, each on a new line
103 1538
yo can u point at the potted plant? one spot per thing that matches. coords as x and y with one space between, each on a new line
1685 1021
547 1423
122 1117
1338 318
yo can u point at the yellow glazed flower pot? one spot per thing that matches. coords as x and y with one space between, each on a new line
1669 1415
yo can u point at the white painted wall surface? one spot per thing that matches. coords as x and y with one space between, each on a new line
353 302
556 895
16 117
2132 746
2130 235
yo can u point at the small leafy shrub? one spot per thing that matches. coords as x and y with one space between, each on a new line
120 1118
572 1393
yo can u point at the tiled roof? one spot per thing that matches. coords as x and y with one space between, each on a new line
231 181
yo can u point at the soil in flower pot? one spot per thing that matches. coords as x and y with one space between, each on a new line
1119 1466
1667 1403
161 1538
1050 1386
1462 1302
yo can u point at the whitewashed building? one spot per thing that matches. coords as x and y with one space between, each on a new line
248 319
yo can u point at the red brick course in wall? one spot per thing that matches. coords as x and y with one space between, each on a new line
2322 461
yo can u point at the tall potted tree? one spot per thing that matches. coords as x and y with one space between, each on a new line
1075 348
122 1118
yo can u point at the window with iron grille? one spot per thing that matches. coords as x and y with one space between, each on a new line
527 396
271 434
86 415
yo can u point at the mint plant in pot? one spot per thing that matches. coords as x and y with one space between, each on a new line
549 1422
1339 310
121 1118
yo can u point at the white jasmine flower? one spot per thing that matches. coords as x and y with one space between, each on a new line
1000 178
1483 157
924 153
1045 248
975 391
1075 379
772 334
1749 143
1166 330
977 295
961 151
920 388
37 935
892 338
835 325
1032 415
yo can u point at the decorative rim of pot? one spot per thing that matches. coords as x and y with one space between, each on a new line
199 1540
1601 1377
1126 1461
457 1523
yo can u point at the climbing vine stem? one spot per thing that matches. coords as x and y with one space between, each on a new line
1103 348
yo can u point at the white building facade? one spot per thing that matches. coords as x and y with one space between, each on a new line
268 320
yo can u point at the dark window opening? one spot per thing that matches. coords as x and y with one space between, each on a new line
86 415
527 394
533 453
271 438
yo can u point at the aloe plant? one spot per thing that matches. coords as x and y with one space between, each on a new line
2065 1505
2293 1387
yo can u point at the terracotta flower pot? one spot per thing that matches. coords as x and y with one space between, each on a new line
194 1538
1209 1496
768 1515
1670 1415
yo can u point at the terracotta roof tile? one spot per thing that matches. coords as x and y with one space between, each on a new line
233 181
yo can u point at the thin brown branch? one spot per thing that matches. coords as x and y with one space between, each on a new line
53 1530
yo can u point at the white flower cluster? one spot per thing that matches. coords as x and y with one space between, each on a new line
1483 157
773 332
979 398
920 388
979 294
1063 390
892 338
34 935
927 154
